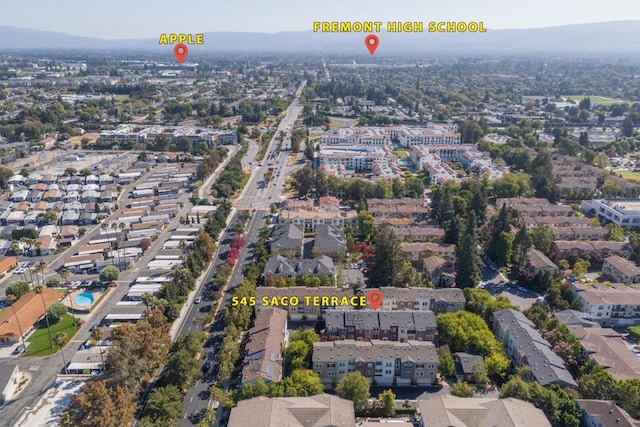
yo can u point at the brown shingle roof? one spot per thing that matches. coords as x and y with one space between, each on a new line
28 309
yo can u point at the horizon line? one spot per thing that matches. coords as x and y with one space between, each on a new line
302 31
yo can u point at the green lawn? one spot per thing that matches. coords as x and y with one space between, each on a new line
401 153
121 97
630 176
38 343
600 100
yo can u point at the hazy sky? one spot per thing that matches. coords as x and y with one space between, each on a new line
148 18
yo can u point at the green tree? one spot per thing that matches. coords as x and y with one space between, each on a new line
98 405
463 389
5 175
18 289
387 401
522 242
479 373
503 248
616 233
580 267
109 274
542 238
468 257
355 387
386 264
597 384
56 311
303 180
164 406
446 366
366 225
297 355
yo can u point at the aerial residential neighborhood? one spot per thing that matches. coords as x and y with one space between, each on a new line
287 228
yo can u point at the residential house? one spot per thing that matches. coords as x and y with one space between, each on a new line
604 413
303 311
447 410
400 325
416 252
322 410
446 300
525 346
330 240
383 363
287 241
465 364
265 344
48 245
439 271
621 270
279 266
536 262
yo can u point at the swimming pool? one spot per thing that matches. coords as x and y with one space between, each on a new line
83 299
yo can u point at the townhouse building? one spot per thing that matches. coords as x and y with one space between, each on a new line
365 325
446 300
383 363
526 347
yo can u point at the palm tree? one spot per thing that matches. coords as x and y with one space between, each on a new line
12 299
60 340
38 245
64 273
73 317
114 227
182 244
40 290
97 334
122 227
37 269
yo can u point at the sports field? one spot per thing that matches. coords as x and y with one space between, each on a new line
630 176
600 100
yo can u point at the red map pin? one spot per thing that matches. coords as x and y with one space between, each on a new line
180 51
372 41
375 299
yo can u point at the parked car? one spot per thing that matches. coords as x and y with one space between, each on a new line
197 300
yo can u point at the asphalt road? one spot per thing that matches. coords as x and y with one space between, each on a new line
258 201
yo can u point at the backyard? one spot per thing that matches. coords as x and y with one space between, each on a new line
38 342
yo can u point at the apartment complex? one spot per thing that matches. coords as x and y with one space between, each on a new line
265 344
436 300
623 212
596 251
309 219
532 206
364 325
406 136
303 311
621 270
139 134
360 158
610 305
381 362
525 346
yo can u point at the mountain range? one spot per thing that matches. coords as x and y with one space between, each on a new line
612 37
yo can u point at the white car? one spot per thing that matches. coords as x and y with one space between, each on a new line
197 300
